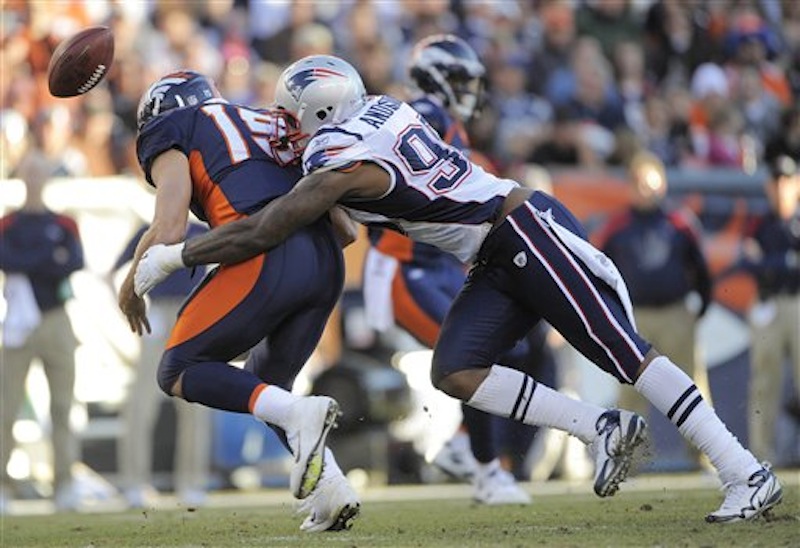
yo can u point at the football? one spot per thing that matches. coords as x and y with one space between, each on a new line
80 62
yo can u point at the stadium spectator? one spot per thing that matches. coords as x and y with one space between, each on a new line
561 83
791 35
630 80
658 250
14 140
311 39
787 140
710 95
191 464
101 136
760 109
40 250
750 42
609 21
678 37
53 133
772 254
265 76
657 134
565 144
679 102
557 21
596 100
521 116
273 24
726 146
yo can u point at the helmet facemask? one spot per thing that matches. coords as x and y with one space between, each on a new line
288 142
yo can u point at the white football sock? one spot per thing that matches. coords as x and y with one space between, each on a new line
331 467
272 405
510 393
673 393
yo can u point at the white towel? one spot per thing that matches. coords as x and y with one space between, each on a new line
22 315
600 265
379 271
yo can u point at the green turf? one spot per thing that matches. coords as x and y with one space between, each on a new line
667 518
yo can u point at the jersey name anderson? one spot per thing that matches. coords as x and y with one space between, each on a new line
437 195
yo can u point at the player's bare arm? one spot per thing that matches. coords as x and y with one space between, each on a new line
170 173
311 198
346 229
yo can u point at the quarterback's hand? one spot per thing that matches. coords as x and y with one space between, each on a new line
157 263
135 310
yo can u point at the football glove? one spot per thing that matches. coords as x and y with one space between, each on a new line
156 264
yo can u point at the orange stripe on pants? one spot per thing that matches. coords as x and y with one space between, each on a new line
217 298
409 315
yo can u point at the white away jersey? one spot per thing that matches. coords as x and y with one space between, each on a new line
437 196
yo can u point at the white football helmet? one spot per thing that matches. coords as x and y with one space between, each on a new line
318 90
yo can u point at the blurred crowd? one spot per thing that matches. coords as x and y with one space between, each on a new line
570 82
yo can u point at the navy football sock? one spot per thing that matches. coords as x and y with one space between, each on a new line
219 385
479 429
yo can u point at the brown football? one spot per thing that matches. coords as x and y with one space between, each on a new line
79 63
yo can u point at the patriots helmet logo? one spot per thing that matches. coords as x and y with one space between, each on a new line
299 81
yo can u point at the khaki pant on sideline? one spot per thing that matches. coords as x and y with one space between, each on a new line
771 343
193 424
54 343
672 330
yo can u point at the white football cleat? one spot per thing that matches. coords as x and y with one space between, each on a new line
333 505
455 458
310 420
142 496
749 499
619 434
495 486
66 498
193 498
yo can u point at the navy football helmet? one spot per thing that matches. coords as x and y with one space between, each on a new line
175 90
446 66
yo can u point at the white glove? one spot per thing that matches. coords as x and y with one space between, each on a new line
157 263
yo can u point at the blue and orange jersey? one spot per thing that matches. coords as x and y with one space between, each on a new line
199 132
450 129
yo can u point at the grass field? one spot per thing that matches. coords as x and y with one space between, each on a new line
656 514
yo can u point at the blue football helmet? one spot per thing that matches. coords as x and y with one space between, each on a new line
175 90
446 66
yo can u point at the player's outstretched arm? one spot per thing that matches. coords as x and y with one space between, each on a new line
240 240
346 229
312 197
